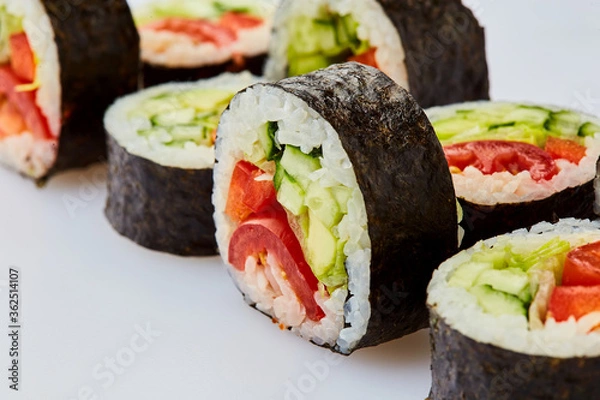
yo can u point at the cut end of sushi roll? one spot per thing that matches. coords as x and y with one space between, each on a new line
50 107
514 165
161 154
524 306
395 37
189 40
30 110
328 189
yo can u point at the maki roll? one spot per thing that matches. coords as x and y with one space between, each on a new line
333 205
514 165
518 316
57 76
186 40
434 49
160 159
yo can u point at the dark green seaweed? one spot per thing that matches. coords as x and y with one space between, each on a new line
445 50
155 74
482 221
463 368
162 208
98 50
405 181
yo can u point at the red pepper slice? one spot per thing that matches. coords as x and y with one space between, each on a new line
271 233
582 266
248 195
576 301
236 21
366 58
24 102
564 148
491 156
21 57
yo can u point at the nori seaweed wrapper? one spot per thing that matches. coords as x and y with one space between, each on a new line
155 74
407 187
485 221
463 368
445 50
162 208
98 50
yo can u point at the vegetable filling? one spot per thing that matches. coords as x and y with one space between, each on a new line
217 23
182 118
19 112
325 39
282 215
556 281
514 138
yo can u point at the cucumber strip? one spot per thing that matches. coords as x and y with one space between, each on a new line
588 129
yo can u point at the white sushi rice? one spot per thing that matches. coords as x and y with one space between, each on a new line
461 311
23 152
174 50
503 187
373 25
299 125
123 125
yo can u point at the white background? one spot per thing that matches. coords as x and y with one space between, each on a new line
85 288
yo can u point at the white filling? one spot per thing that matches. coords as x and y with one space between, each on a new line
301 126
374 26
124 128
34 157
460 309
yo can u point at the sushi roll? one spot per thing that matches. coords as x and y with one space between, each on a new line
160 159
434 49
518 316
186 40
514 165
333 205
58 74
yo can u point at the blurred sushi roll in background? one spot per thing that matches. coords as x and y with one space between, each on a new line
333 205
160 159
434 49
186 40
514 165
58 74
518 316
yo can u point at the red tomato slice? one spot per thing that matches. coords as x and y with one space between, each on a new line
271 233
582 266
564 148
491 156
366 58
575 301
236 21
199 30
248 195
25 102
21 57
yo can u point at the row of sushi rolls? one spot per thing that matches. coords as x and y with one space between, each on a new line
329 159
